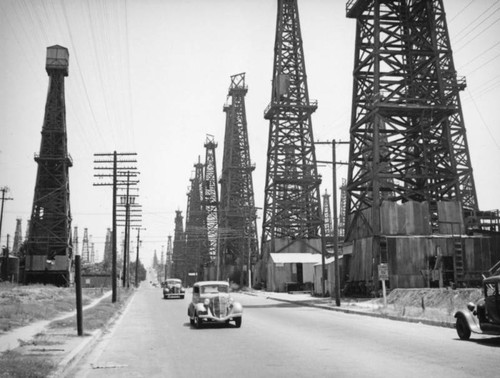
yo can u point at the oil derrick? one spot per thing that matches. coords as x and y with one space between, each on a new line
196 227
18 235
211 204
292 211
85 246
237 224
179 248
169 257
108 252
327 215
75 240
409 165
341 219
49 247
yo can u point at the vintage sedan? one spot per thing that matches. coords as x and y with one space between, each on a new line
484 316
172 288
212 303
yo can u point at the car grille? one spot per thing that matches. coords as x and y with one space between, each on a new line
219 306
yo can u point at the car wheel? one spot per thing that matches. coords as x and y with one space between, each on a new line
191 321
463 329
197 321
237 322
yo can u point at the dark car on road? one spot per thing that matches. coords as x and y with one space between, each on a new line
172 288
484 316
212 303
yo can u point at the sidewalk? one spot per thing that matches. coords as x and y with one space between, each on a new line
351 306
13 339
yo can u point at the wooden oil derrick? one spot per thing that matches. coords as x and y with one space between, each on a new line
179 248
409 165
292 209
197 252
49 250
237 218
211 205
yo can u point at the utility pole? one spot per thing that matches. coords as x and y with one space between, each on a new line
334 163
4 191
110 162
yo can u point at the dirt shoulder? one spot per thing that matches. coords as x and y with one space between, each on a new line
48 352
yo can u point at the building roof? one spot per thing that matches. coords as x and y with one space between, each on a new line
288 258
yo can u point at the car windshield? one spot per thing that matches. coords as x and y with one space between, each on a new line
214 289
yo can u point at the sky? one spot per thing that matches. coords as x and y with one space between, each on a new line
151 77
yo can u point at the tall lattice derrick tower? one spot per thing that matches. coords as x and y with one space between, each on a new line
49 247
169 257
75 240
211 202
327 215
408 148
237 224
179 248
85 246
196 226
108 251
18 237
292 209
341 218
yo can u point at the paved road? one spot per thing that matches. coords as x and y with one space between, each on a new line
154 339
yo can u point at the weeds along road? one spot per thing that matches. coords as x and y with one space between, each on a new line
276 339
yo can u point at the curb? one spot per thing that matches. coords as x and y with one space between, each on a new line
434 323
83 348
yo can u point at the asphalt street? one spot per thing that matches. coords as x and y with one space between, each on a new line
278 339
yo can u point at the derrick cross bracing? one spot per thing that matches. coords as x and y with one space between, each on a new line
237 218
196 226
179 250
211 197
407 135
49 247
292 209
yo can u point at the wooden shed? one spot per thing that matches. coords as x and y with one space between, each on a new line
291 271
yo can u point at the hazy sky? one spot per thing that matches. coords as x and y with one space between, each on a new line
151 77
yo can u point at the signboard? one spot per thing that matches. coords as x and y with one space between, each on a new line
383 272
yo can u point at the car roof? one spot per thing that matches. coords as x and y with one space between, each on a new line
491 279
204 283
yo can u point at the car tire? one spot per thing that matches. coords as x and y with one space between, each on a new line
191 321
463 329
237 322
197 321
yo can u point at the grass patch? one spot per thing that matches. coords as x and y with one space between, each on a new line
97 316
22 305
14 364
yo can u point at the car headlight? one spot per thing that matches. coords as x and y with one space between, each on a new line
231 300
206 302
166 290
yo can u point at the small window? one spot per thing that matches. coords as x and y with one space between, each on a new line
196 290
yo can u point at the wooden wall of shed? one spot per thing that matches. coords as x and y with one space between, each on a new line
409 218
361 262
450 218
277 276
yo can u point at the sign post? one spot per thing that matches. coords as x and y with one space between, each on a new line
383 274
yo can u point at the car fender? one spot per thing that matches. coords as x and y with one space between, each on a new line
237 308
470 319
200 307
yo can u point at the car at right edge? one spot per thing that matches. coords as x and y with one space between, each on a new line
484 316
